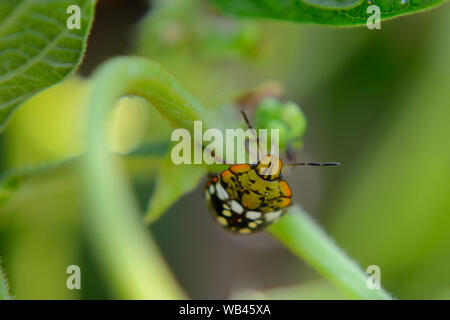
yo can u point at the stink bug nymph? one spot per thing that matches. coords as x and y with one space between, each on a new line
246 198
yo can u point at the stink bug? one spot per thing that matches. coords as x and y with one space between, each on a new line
246 198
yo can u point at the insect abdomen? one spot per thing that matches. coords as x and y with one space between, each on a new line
231 214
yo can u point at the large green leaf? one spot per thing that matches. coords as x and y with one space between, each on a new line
37 49
329 12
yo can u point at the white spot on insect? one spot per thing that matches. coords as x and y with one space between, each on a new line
211 189
272 215
252 225
226 213
221 193
253 215
245 231
236 207
222 221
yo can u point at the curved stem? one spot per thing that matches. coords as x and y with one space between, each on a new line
298 232
114 222
113 219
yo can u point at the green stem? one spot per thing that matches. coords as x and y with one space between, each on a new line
4 288
114 222
298 232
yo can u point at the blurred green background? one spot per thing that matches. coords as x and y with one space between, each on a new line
376 100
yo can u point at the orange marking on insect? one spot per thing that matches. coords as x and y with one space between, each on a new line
240 168
285 189
226 175
283 202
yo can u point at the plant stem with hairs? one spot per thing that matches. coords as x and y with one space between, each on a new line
4 288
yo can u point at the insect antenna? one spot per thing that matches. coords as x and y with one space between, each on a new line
290 153
218 159
314 164
246 119
249 125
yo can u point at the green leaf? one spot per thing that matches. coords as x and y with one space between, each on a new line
11 180
151 149
8 185
37 49
328 12
173 182
333 3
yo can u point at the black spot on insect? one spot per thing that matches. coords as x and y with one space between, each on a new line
256 191
252 181
246 191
